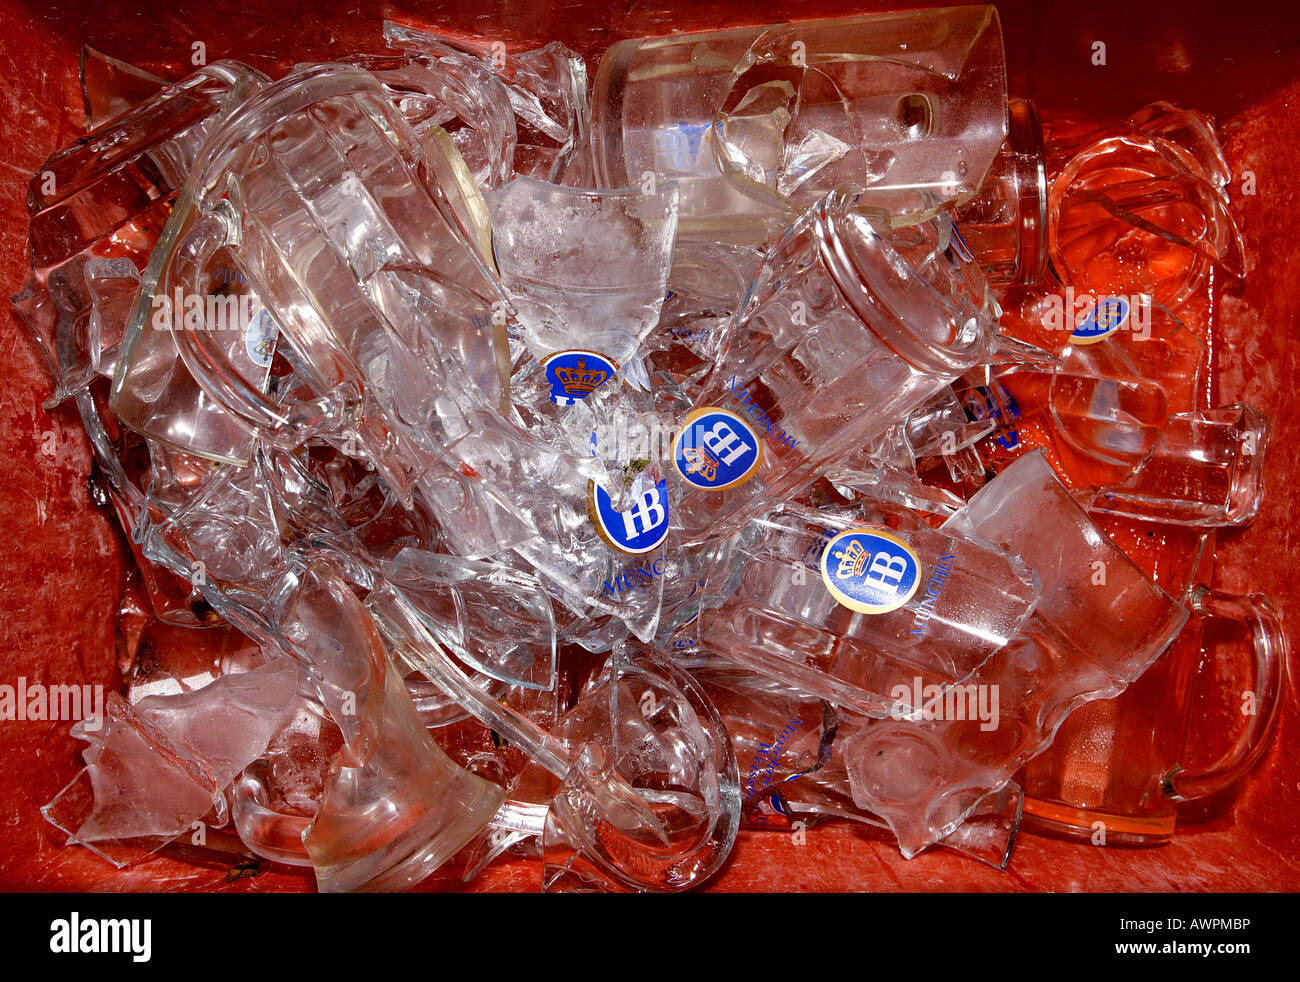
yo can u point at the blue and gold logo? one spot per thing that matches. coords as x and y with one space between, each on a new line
1102 321
716 449
871 571
639 529
574 375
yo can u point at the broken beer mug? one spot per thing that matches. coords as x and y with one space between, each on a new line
860 615
1005 225
110 193
845 331
1205 470
351 248
1134 213
396 807
1098 624
757 123
586 271
1119 767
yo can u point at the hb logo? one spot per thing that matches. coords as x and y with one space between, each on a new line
1102 321
641 528
716 449
574 375
871 571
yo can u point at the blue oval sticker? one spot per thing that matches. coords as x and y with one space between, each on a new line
574 375
716 449
871 571
641 528
1102 321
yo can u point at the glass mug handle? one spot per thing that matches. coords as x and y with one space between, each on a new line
1256 612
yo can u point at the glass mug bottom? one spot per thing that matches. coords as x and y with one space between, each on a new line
1086 823
1113 778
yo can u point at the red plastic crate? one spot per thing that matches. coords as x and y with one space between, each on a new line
62 559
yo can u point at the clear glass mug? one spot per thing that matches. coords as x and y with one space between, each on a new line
410 257
1133 213
1088 638
396 807
1129 365
552 246
755 123
646 722
845 330
784 741
1128 369
1206 470
840 607
109 194
1114 774
1005 225
403 293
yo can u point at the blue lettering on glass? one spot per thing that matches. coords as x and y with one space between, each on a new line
636 576
871 571
641 528
767 760
938 580
716 449
687 333
981 402
756 413
574 375
1102 321
228 274
677 148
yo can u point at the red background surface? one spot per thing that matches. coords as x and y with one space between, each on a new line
62 559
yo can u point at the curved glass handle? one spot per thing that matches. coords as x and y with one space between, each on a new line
270 834
1256 612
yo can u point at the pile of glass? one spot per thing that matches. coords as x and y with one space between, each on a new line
581 472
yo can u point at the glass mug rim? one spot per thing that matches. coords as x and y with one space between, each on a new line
842 246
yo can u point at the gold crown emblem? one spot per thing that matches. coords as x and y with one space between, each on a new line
852 560
580 380
700 461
